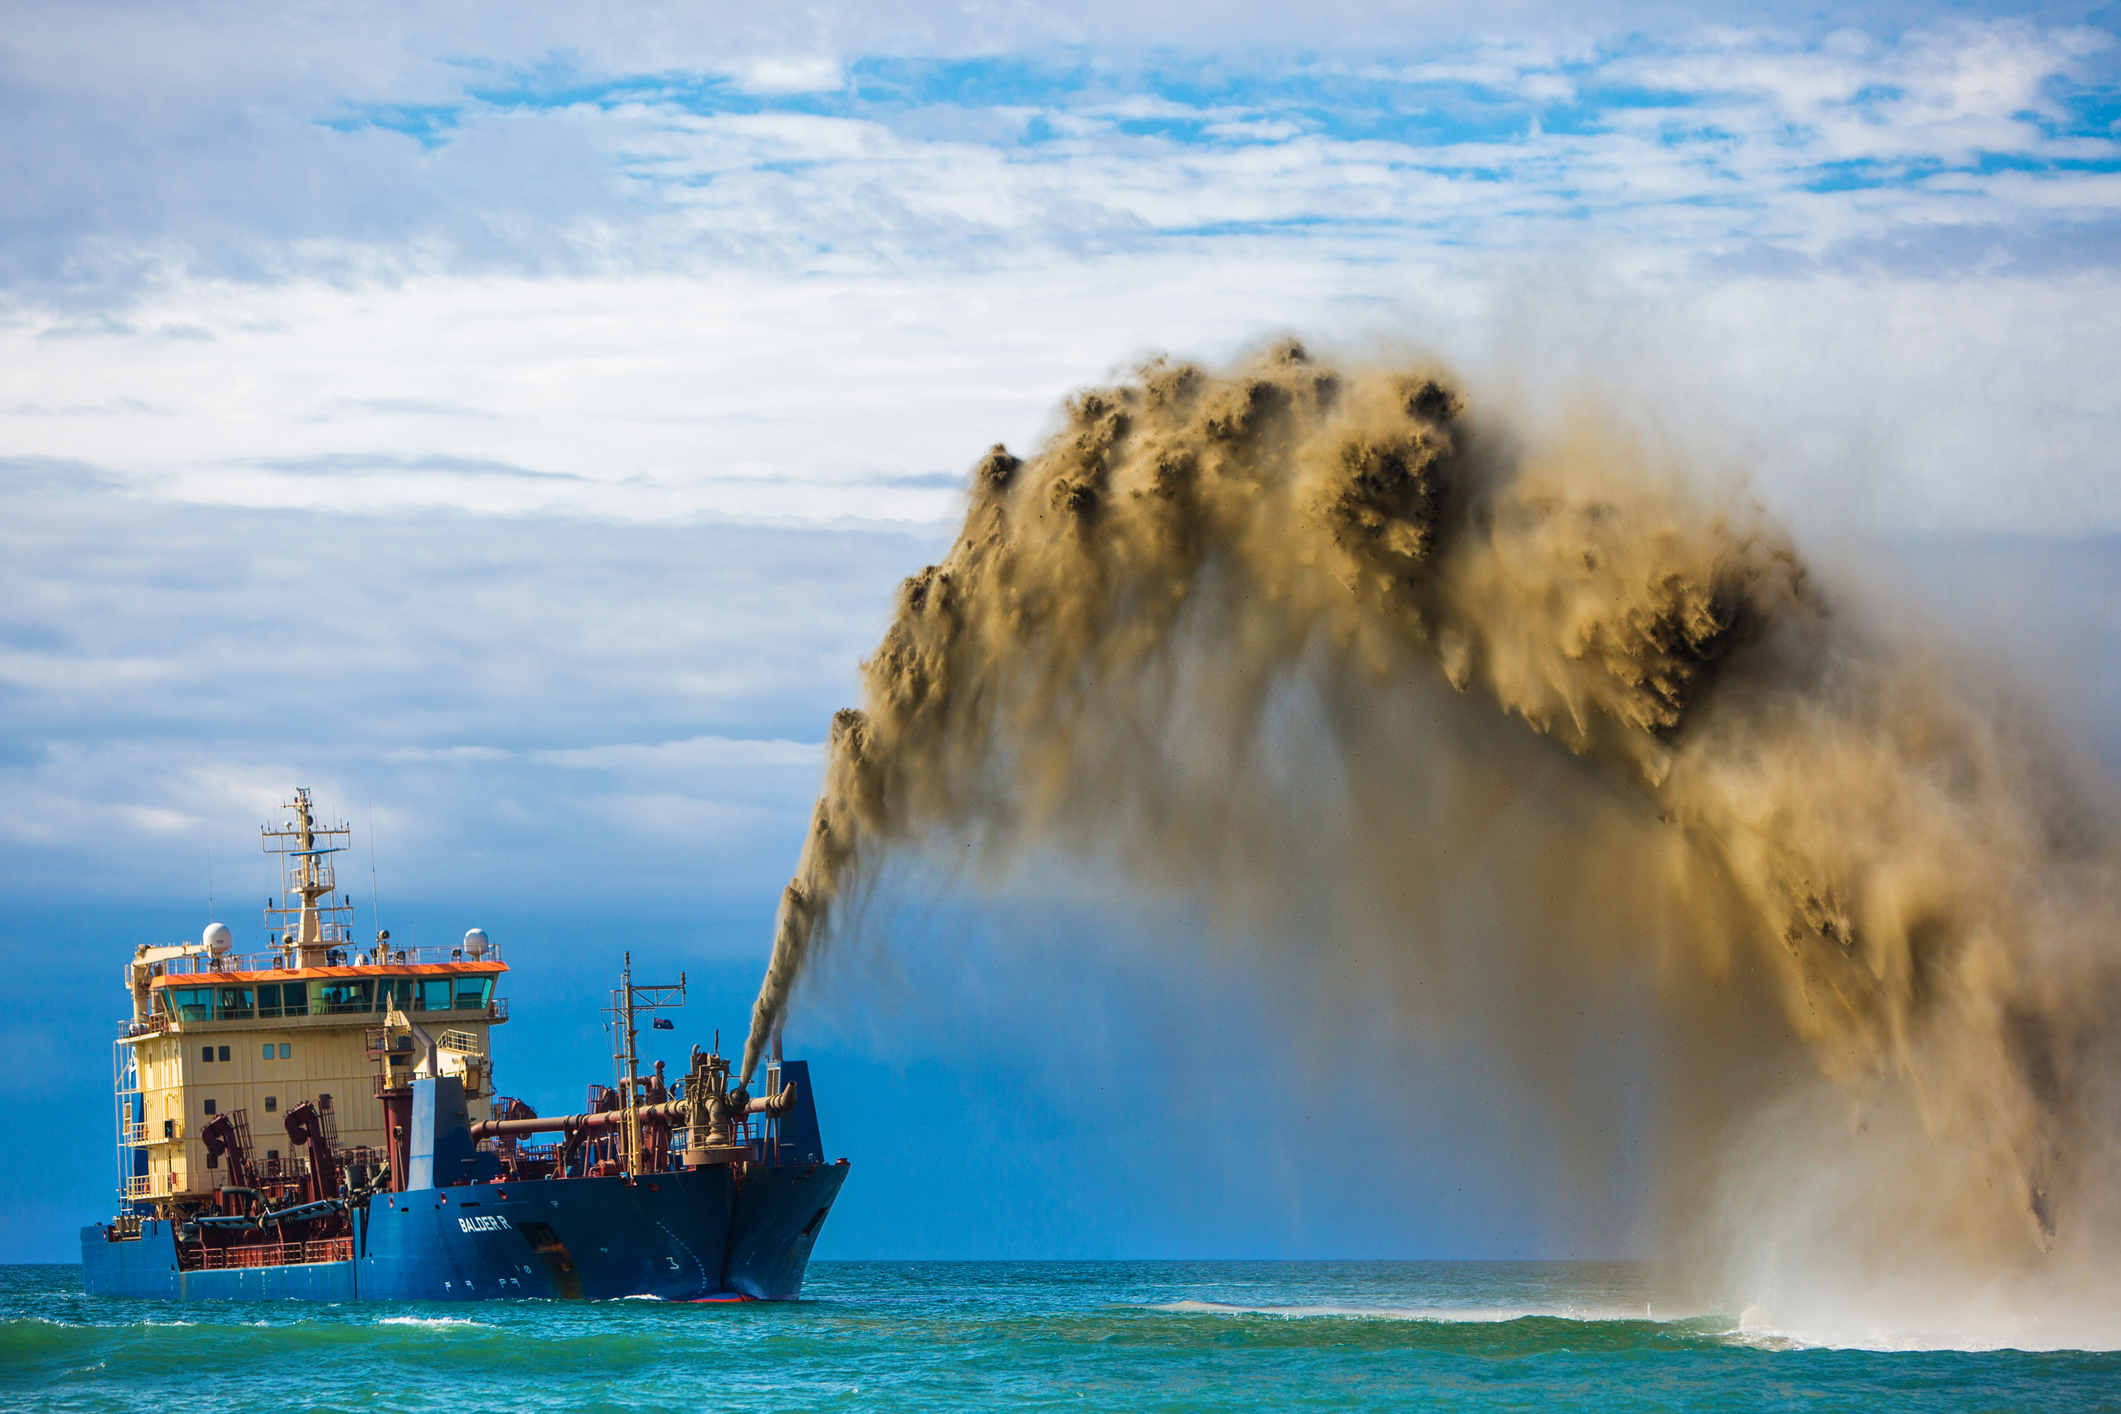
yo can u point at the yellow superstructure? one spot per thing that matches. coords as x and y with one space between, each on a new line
253 1037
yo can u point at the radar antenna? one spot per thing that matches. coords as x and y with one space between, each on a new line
307 933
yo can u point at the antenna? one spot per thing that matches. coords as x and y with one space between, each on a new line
209 881
375 906
628 999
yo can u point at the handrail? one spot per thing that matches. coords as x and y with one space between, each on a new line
266 1254
199 964
493 1009
287 1166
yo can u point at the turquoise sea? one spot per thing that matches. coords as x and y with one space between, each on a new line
987 1335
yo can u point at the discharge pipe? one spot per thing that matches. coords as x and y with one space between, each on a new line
676 1112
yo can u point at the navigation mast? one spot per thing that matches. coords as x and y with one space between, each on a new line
306 932
627 999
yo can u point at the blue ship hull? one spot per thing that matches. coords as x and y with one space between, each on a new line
682 1236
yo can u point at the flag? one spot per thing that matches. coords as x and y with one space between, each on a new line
664 1023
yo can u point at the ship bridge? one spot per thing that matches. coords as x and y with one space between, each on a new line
214 1033
264 988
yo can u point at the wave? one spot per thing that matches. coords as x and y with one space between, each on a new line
1480 1315
436 1322
1885 1335
1753 1329
1506 1330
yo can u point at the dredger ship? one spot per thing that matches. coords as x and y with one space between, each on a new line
320 1121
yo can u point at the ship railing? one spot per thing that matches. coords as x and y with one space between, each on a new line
497 1009
268 1254
137 1187
284 1166
380 1041
524 1153
348 955
361 1160
132 1136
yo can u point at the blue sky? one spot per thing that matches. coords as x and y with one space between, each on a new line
512 423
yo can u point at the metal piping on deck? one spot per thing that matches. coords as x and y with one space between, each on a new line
575 1123
675 1113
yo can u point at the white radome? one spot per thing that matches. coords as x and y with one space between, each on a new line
475 943
218 939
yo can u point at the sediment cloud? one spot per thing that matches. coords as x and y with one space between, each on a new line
1822 844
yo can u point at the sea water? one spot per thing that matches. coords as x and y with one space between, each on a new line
987 1335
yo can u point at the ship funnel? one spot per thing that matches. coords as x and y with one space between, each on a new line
218 939
475 944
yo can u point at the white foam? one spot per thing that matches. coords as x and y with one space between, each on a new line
434 1322
1441 1315
1909 1335
1756 1328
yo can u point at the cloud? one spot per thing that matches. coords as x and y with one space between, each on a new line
570 151
693 752
792 74
36 473
863 401
171 672
372 463
540 407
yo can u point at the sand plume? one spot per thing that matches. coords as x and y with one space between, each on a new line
1884 874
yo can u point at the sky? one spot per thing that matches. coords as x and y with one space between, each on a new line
511 423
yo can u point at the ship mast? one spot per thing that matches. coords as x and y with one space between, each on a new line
307 930
626 1000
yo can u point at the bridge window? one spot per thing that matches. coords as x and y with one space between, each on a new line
356 994
473 992
401 992
189 1003
233 1003
436 993
283 999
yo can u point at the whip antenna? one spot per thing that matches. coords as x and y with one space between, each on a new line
375 906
